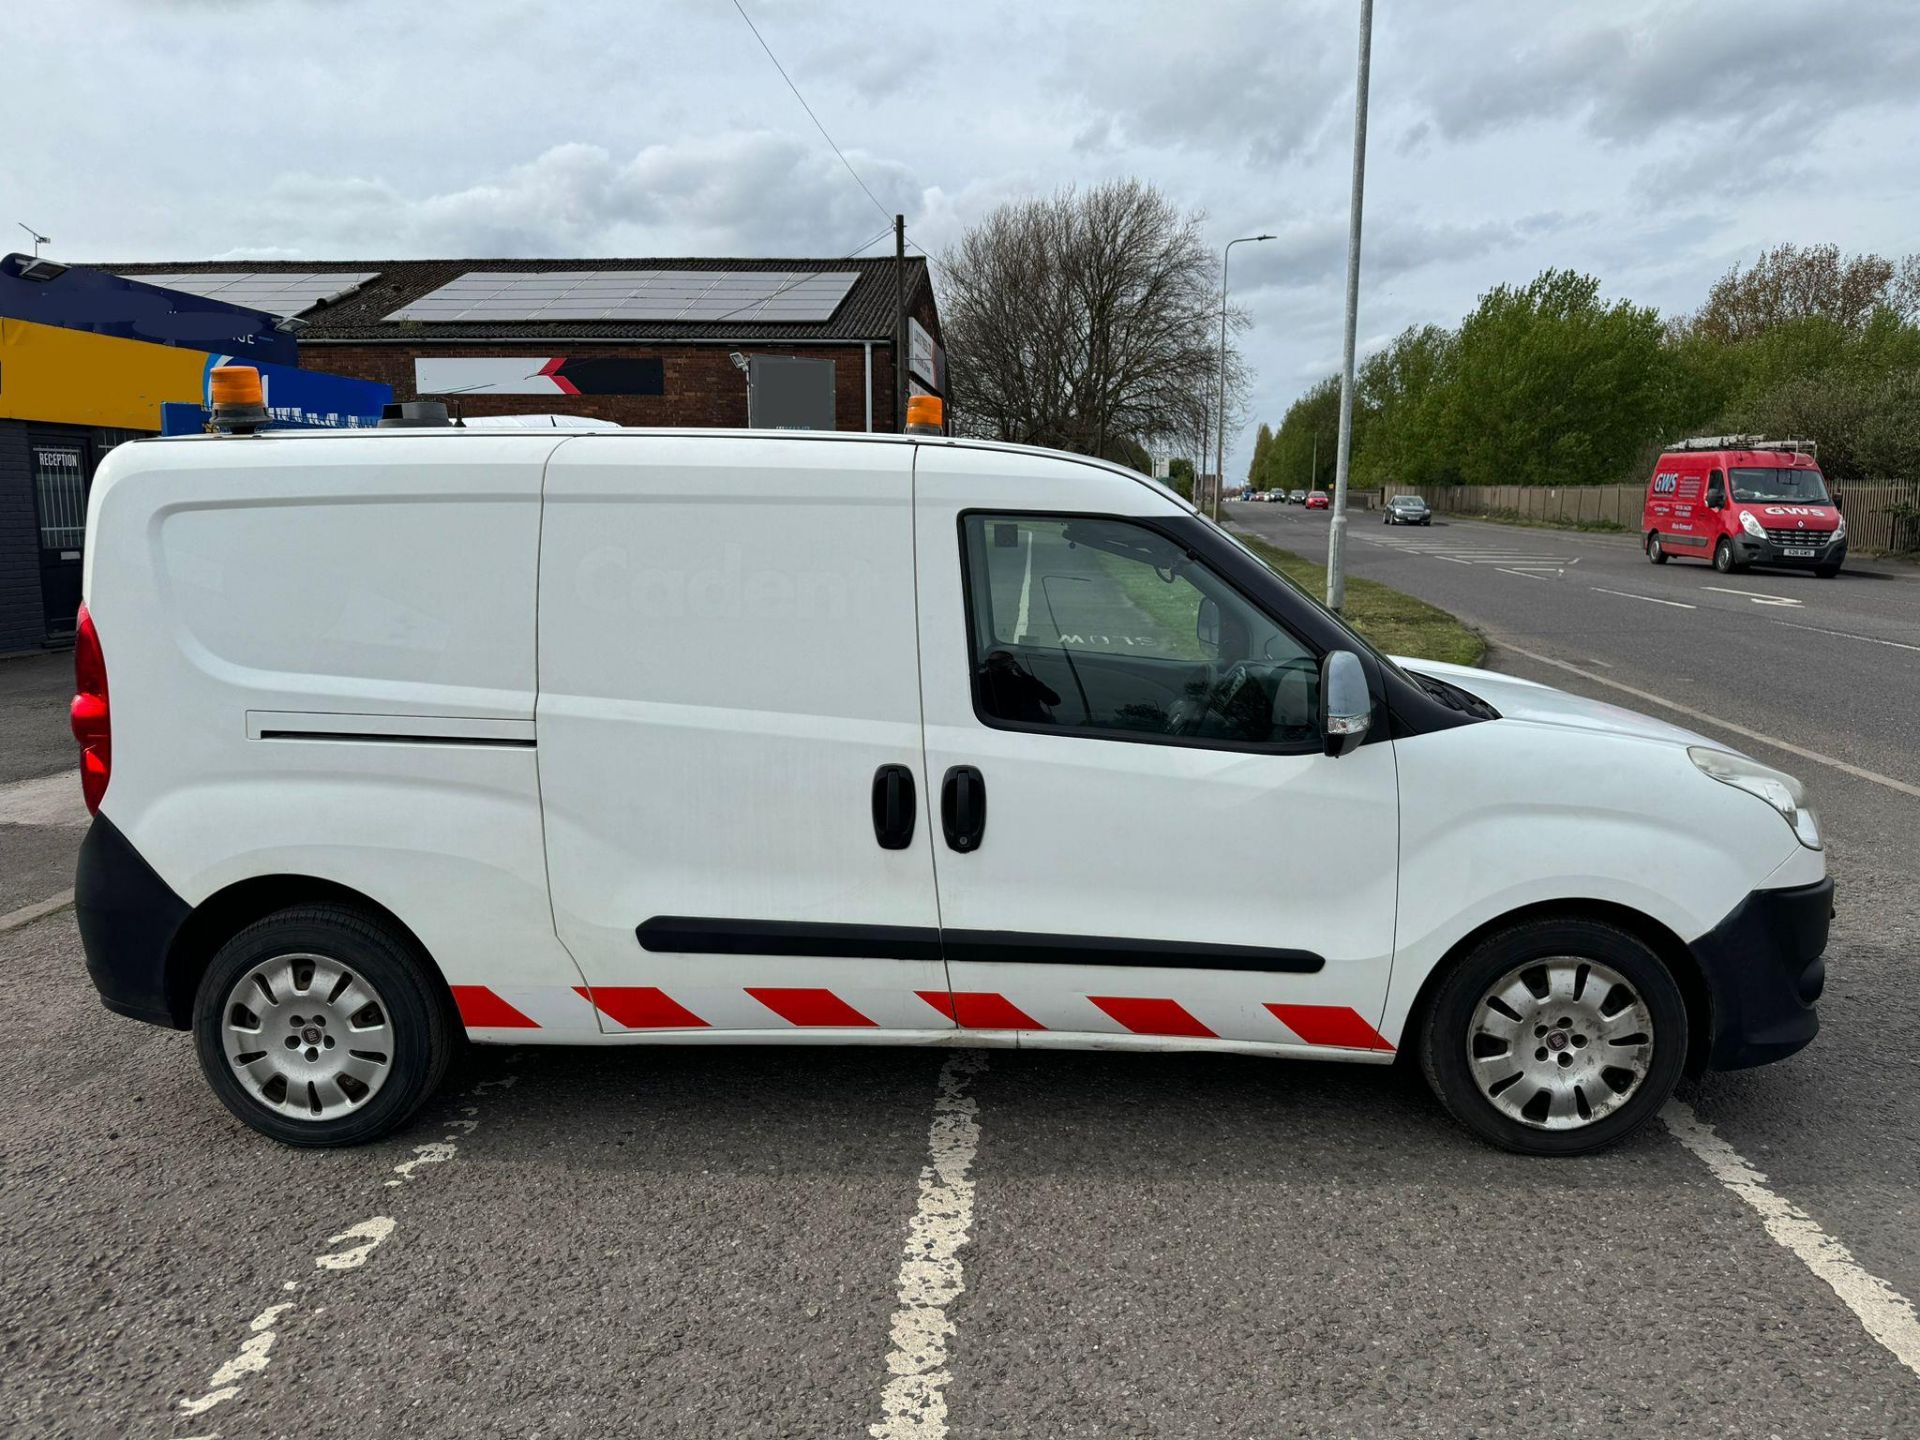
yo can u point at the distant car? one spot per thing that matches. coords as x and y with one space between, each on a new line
1296 497
1318 501
1408 510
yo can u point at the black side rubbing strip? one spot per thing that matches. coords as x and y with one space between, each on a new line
374 737
695 935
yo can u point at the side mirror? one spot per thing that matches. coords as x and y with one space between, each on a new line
1206 625
1346 705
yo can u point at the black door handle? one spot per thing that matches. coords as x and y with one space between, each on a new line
963 807
893 807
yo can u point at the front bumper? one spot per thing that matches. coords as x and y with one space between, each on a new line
1749 551
1764 973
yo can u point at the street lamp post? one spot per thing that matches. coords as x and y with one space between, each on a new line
1337 523
1220 450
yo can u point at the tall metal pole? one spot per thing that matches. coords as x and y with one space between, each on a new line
1220 448
899 324
1337 529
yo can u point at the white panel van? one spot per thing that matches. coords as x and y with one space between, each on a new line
404 739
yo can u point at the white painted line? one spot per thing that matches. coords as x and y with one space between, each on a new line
1816 629
1650 599
368 1232
1858 772
255 1353
27 914
1523 574
1455 561
913 1402
1887 1315
1758 597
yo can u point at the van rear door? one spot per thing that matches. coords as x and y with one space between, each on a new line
729 735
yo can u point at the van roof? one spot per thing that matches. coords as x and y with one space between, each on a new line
444 434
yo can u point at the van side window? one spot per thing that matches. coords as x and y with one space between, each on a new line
1107 628
1716 490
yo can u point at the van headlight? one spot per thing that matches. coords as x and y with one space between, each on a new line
1752 526
1776 787
1840 528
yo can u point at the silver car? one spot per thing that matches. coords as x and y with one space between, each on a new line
1408 510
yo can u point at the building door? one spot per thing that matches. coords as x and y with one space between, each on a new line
60 470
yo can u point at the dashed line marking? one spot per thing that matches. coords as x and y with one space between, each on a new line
1886 1314
368 1232
1523 574
1758 597
1650 599
39 910
913 1403
1859 772
1841 634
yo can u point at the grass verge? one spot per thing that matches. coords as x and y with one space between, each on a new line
1395 622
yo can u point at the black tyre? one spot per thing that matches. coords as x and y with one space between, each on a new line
321 1025
1655 552
1723 560
1555 1037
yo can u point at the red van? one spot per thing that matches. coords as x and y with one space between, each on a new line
1737 501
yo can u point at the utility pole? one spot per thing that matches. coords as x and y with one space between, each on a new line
1337 528
899 324
1313 472
1220 449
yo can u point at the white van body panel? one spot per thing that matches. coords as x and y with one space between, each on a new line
365 585
1114 837
727 656
1511 813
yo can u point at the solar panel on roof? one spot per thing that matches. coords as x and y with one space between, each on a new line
277 292
661 295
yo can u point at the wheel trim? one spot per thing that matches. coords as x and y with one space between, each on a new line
307 1036
1560 1043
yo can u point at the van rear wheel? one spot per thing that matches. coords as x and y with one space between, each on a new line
1555 1037
1655 552
320 1025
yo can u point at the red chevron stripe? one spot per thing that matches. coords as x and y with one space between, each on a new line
480 1008
641 1007
1146 1016
980 1010
1330 1025
809 1007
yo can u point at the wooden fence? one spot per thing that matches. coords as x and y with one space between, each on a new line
1874 511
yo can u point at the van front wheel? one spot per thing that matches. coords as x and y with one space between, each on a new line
320 1025
1723 560
1555 1037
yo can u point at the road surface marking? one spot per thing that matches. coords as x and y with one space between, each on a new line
1887 1315
1843 634
1452 558
368 1232
1523 574
27 914
1650 599
254 1354
1858 772
1758 597
912 1403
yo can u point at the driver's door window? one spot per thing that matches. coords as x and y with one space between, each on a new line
1107 628
1716 491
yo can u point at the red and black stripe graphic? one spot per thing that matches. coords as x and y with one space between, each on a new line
606 376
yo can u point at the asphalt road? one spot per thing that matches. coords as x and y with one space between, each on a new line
710 1242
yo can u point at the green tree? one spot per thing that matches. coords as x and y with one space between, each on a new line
1257 468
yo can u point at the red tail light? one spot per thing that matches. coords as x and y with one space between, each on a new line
89 712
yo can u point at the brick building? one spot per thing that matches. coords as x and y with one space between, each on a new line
635 341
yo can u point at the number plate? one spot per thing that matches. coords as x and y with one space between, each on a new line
1794 554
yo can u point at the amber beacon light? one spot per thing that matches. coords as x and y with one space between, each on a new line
238 401
926 415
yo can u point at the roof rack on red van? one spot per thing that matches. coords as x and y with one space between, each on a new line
1746 442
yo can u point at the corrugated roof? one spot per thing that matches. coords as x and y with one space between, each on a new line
866 314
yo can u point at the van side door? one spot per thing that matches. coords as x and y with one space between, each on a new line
729 735
1114 736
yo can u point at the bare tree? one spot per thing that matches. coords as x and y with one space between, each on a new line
1791 282
1088 321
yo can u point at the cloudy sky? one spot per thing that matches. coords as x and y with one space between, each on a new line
1651 142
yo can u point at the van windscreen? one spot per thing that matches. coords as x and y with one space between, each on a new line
1798 486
